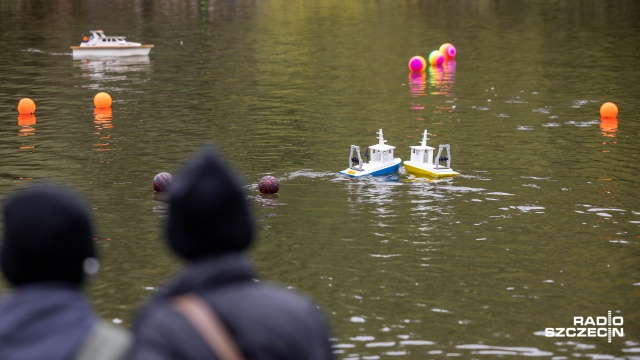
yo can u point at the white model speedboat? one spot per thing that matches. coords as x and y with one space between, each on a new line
100 45
380 160
423 162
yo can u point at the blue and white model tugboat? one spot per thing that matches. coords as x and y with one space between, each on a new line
423 162
380 160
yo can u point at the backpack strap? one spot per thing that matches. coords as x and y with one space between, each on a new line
105 342
204 319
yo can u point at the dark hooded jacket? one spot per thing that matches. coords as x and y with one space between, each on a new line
266 321
44 321
209 225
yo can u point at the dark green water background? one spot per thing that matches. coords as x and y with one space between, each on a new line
542 224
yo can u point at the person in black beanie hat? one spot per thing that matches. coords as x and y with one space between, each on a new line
47 236
47 253
208 213
210 225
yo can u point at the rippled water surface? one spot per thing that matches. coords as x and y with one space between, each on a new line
541 226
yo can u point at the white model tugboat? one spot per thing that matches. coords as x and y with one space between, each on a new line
423 162
100 45
380 160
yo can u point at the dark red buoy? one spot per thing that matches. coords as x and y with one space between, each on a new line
268 185
162 182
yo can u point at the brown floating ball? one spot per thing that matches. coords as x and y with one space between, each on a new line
162 182
268 185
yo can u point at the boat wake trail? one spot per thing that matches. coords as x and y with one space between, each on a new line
38 51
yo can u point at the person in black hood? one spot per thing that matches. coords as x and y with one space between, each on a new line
210 225
46 255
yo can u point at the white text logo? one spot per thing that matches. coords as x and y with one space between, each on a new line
591 326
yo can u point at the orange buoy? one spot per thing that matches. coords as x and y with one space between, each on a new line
26 106
608 110
102 100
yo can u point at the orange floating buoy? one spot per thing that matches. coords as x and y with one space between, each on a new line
102 100
26 106
609 110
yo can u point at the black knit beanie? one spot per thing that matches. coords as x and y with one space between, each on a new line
208 211
47 236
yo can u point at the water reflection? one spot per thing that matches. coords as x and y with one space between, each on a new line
432 202
481 349
269 204
417 84
436 76
269 201
609 129
609 126
27 131
102 120
417 87
113 65
160 203
112 69
376 195
442 78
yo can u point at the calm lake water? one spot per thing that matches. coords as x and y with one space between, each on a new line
542 225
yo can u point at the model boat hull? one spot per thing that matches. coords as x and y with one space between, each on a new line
110 51
387 168
440 171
